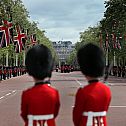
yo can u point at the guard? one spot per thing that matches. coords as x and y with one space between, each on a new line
92 101
40 103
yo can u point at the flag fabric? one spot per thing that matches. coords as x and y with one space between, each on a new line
5 34
19 40
125 37
119 41
33 39
114 39
2 40
107 41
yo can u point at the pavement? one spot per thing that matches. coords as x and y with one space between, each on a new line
67 84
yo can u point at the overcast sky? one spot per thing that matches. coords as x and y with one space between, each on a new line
65 19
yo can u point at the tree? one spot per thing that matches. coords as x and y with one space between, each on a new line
89 35
20 16
71 59
114 23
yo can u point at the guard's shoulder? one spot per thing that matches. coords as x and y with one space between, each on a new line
53 87
27 90
80 89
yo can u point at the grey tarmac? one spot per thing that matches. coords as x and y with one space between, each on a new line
67 84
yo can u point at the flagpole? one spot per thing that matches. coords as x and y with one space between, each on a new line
114 59
24 59
107 57
7 59
59 64
16 60
100 39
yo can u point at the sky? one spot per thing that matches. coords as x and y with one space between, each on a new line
65 19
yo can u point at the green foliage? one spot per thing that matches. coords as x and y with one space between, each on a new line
114 21
20 16
72 58
114 16
91 35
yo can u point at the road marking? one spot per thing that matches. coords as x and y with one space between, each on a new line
120 84
78 82
118 106
1 97
10 93
113 106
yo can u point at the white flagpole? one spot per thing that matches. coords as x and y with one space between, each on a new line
114 59
24 59
107 57
16 59
7 59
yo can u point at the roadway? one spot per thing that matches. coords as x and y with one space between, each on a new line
67 84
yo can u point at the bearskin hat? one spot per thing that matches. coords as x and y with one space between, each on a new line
91 60
39 62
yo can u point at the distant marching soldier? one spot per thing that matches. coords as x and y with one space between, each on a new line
10 72
72 69
119 71
123 71
114 70
7 73
57 68
15 71
62 68
4 73
1 73
40 103
68 68
92 101
20 70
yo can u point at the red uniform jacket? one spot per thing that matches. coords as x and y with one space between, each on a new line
40 100
94 97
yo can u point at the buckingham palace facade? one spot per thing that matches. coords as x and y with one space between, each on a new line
63 50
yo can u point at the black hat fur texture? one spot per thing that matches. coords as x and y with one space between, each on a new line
39 62
91 60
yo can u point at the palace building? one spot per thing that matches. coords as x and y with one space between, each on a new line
63 50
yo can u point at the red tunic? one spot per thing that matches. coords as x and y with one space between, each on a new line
40 100
94 97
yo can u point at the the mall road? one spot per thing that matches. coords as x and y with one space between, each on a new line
67 84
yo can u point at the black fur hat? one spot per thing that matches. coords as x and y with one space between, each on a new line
39 62
91 60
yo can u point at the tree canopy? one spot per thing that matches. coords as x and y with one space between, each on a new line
110 32
15 11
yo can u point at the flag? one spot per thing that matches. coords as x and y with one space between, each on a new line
107 41
114 40
118 44
19 40
125 37
5 36
119 41
33 39
2 40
